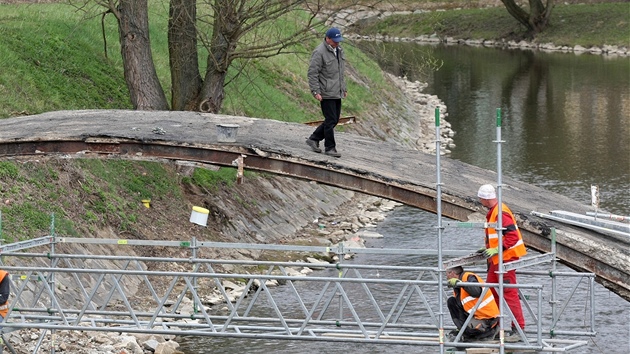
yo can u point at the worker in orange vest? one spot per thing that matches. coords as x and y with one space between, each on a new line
484 324
5 290
513 249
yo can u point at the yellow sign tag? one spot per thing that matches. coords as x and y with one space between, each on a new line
122 242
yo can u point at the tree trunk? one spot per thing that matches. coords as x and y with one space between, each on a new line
225 32
182 47
212 93
144 87
519 14
537 18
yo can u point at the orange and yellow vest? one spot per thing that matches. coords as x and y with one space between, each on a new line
487 309
4 308
492 238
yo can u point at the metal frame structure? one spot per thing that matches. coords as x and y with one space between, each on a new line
345 306
504 310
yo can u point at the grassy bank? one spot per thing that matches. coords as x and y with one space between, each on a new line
578 24
56 58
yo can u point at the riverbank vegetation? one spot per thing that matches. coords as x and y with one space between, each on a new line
55 58
587 25
58 59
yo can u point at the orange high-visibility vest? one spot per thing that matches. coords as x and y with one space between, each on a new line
492 238
4 308
487 309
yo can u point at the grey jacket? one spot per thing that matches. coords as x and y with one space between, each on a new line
325 72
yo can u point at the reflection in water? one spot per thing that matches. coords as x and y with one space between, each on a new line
566 117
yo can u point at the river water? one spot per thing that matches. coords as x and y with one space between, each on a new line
566 126
566 117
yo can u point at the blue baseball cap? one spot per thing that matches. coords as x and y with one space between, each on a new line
334 34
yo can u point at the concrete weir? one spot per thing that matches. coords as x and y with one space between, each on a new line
368 166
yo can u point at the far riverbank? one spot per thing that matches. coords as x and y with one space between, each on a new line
491 26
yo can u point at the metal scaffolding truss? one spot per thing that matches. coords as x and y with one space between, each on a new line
344 302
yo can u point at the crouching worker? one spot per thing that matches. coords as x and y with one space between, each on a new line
485 321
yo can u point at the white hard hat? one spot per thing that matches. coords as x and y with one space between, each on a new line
487 192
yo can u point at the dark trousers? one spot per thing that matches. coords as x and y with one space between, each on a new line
476 329
331 108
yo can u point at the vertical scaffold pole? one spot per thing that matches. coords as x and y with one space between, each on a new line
340 255
194 269
500 235
554 297
51 278
438 189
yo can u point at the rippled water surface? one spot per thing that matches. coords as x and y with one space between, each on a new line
565 117
410 228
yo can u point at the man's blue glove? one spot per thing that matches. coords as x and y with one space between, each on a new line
452 282
489 252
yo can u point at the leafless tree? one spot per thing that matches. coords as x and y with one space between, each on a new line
536 19
227 30
231 30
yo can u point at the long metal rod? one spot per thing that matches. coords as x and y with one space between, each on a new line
609 216
554 283
52 282
438 188
381 251
499 230
599 229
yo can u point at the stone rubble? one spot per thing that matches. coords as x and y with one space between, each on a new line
351 228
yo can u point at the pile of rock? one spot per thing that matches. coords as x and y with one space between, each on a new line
609 50
90 342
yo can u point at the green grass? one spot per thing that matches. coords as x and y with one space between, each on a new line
213 180
582 24
58 61
33 210
105 192
36 43
594 25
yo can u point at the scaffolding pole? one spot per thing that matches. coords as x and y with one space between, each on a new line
438 189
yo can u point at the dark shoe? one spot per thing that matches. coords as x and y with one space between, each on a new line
453 334
314 145
510 336
332 152
489 336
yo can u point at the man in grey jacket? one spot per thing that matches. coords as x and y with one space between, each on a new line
328 86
